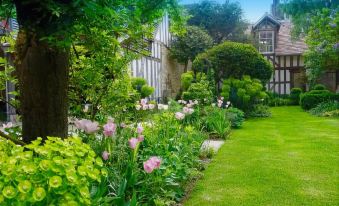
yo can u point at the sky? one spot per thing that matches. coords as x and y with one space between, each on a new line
253 9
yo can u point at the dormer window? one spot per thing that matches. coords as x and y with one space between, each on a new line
266 41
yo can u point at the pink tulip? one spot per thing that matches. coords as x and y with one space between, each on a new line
151 164
91 127
133 142
105 155
185 110
141 138
143 101
140 129
179 115
109 129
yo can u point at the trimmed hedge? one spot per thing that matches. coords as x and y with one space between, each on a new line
295 95
231 59
312 98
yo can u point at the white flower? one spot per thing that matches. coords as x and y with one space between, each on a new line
196 102
137 107
144 107
228 102
165 107
213 104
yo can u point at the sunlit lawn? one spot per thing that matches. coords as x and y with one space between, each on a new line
291 158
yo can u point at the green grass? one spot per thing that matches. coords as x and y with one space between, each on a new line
291 158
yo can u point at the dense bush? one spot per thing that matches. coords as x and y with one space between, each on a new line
58 172
198 89
295 96
186 80
334 113
324 108
140 84
260 111
319 87
217 123
231 59
244 93
312 98
236 116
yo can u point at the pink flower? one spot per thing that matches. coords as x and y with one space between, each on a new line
105 155
190 111
91 127
140 129
143 101
151 164
109 129
141 138
8 125
185 110
151 106
144 107
179 115
133 142
87 125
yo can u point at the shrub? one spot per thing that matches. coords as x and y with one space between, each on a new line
199 90
140 85
146 91
236 116
260 111
231 59
312 98
217 123
295 96
244 93
186 80
325 107
319 87
275 102
58 172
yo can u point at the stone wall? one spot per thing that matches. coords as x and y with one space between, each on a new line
171 74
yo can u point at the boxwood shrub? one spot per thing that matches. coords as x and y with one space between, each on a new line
295 95
312 98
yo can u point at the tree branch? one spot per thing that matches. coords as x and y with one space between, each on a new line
19 142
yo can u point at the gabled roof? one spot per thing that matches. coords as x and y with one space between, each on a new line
266 17
286 45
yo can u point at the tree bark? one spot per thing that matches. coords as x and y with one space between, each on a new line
43 82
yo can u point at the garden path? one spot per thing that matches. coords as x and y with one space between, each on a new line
291 158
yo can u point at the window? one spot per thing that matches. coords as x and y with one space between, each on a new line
266 41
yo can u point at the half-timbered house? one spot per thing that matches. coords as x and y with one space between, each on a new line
160 71
272 35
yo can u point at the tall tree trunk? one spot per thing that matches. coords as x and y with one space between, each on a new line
43 82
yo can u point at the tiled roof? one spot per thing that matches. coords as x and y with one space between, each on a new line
285 44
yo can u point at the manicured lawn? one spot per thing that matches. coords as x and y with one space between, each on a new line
291 158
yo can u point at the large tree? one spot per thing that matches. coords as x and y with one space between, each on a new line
48 29
186 47
318 21
222 21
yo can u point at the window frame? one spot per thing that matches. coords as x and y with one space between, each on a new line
266 45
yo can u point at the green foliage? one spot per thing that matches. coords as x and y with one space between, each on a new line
236 116
318 20
222 21
60 172
324 108
231 59
319 87
217 123
260 110
295 95
333 113
185 48
312 98
199 89
186 80
244 93
138 82
146 91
